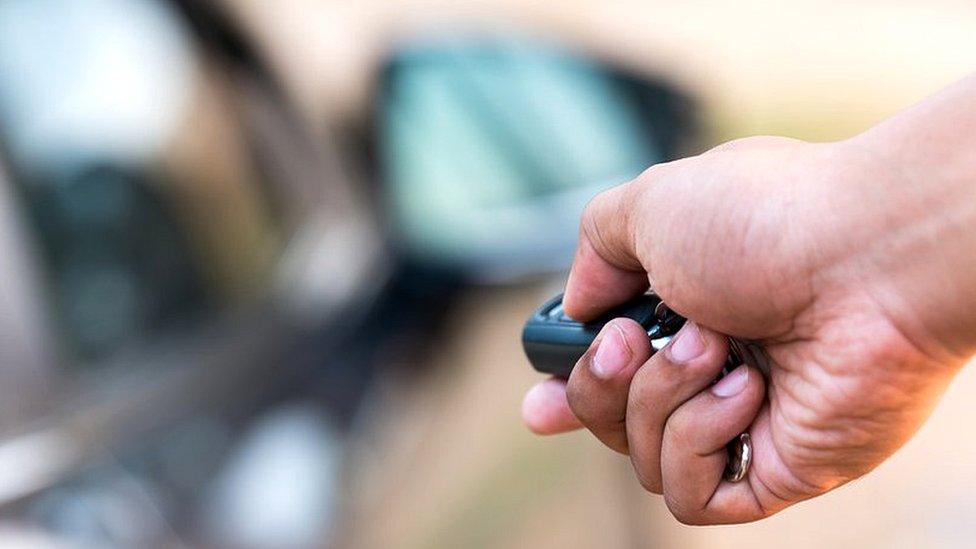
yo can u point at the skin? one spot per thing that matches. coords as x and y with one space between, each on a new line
853 263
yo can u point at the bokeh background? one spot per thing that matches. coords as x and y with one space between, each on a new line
265 264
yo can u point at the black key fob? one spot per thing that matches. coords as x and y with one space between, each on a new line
553 342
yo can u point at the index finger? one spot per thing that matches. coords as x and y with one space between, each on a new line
606 271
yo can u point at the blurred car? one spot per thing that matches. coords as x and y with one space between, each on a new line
201 285
180 253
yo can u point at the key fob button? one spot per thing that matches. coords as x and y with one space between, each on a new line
557 313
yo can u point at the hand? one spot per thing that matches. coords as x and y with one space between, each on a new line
856 277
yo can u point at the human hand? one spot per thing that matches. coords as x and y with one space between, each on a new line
837 259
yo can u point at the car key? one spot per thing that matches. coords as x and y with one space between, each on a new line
554 343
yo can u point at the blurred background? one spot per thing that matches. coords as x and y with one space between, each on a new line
265 264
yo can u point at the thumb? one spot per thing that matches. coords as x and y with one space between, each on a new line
622 233
607 269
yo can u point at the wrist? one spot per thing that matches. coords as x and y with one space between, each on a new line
927 257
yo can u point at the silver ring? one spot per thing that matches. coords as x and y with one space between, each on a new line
739 458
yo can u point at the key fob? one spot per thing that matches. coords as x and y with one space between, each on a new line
553 342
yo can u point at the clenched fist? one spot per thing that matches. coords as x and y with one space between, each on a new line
853 263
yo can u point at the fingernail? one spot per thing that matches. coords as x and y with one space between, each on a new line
688 344
733 383
612 354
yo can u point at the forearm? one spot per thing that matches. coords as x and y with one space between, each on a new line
933 145
935 138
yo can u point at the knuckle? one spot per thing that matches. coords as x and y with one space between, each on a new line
752 141
685 514
661 380
647 482
640 401
580 397
677 426
604 225
648 396
593 213
575 396
593 208
681 512
738 143
590 227
652 173
652 389
615 440
689 518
